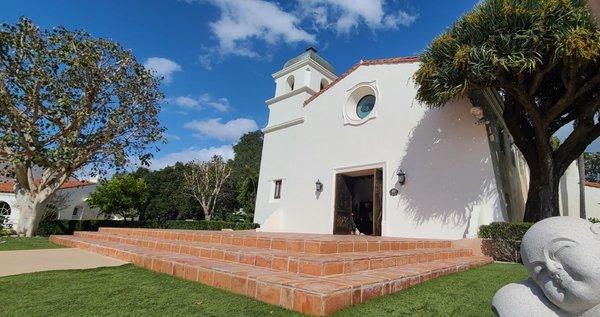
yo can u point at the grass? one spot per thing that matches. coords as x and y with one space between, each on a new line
121 291
22 243
464 294
132 291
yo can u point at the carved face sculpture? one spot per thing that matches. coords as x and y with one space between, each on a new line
562 255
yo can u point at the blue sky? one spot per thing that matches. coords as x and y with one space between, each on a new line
217 56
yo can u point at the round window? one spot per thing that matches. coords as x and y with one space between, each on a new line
365 106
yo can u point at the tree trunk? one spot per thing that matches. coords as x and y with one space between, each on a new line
581 168
31 211
542 196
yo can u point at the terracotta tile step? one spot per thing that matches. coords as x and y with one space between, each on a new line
308 243
295 262
310 295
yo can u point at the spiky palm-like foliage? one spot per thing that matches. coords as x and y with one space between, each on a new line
543 57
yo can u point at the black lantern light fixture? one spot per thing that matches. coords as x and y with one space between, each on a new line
319 186
401 177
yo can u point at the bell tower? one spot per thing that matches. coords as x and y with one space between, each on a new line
300 78
307 70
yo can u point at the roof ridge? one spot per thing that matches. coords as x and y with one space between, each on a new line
368 62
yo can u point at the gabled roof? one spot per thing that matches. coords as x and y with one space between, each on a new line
395 60
8 187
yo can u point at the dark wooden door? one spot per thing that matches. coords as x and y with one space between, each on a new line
377 201
343 206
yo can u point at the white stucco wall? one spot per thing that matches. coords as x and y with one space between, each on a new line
569 195
450 189
76 197
592 202
569 192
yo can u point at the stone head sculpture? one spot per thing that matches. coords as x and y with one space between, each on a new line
562 255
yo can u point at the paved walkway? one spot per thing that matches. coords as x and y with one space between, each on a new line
28 261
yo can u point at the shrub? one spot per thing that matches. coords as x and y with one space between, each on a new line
51 227
7 232
505 239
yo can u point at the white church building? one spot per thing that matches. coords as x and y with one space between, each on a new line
357 152
70 202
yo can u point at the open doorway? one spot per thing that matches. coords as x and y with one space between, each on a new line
358 202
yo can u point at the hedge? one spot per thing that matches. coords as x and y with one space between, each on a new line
51 227
505 239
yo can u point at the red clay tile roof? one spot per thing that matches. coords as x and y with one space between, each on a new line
592 184
8 187
395 60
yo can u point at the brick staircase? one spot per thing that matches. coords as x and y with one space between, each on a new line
310 273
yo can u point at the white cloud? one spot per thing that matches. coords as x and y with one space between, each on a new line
172 137
345 15
192 154
162 67
205 100
243 21
186 102
218 104
215 129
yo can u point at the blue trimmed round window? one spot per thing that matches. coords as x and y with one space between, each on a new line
365 106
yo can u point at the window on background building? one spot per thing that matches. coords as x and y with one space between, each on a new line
75 211
277 193
4 213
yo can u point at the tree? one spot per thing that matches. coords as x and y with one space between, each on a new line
592 166
122 195
581 170
204 180
542 57
246 167
69 101
167 200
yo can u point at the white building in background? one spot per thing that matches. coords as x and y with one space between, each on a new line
70 202
359 150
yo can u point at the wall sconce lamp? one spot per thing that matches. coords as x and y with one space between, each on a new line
401 177
319 186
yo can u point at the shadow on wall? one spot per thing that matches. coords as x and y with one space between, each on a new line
274 222
449 170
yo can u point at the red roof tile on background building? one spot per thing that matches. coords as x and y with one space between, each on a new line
592 184
8 187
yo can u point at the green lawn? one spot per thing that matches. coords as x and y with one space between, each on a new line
464 294
132 291
15 243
